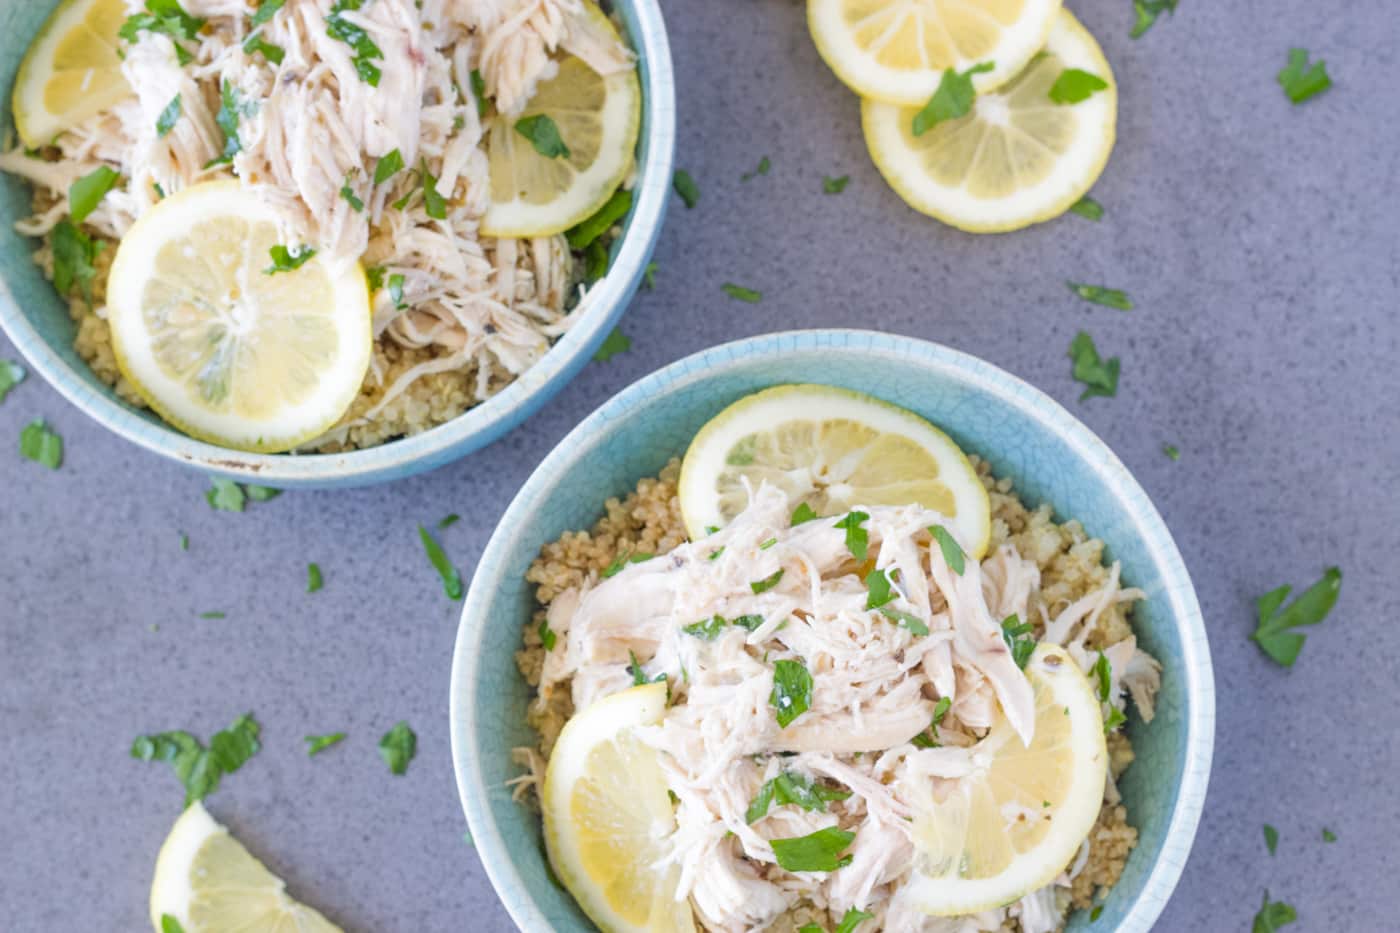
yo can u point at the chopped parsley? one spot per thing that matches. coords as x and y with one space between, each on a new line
348 194
953 98
749 622
1096 913
910 621
1075 85
168 17
314 581
792 788
1108 297
547 636
792 691
1272 915
818 851
1273 634
169 924
184 541
706 629
762 169
169 117
686 188
479 91
649 275
266 10
397 747
87 192
639 676
1088 208
215 614
396 282
11 375
256 43
1147 12
1102 672
261 493
616 342
74 259
364 49
1270 838
199 768
953 554
929 737
315 744
740 293
802 514
880 587
767 583
602 221
835 185
1099 376
450 520
451 579
622 560
857 538
1019 638
433 202
389 165
231 107
543 134
225 496
1301 80
1171 451
595 262
288 258
851 919
1328 835
43 446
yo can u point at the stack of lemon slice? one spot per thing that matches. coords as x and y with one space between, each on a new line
1019 155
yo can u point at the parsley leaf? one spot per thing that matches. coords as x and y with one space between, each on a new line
1328 835
1272 915
622 560
1301 80
767 583
792 691
213 615
451 579
198 768
1147 12
1099 376
74 259
261 493
857 538
953 554
350 197
316 744
792 788
365 51
547 635
686 187
851 919
706 629
479 91
1102 672
763 166
314 581
1273 635
168 17
543 134
288 259
450 520
802 514
910 621
929 737
256 43
1270 838
741 293
396 282
434 204
87 192
231 107
952 99
881 591
595 262
835 185
266 10
1171 451
1075 85
389 165
169 117
38 443
615 343
602 220
11 375
1088 208
225 496
1019 638
397 747
818 851
1108 297
649 275
169 924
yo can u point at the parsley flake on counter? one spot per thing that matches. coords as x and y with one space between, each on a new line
880 588
818 851
87 192
1301 80
389 165
616 342
792 691
1088 208
449 521
1019 638
1328 835
649 276
543 134
929 737
451 579
686 188
1099 376
261 493
622 560
857 538
199 768
1272 915
1075 85
11 375
767 583
184 542
1273 634
1147 12
1171 451
169 117
952 551
43 446
215 614
288 259
910 621
225 496
762 169
397 747
792 788
602 220
953 98
802 514
74 259
314 581
835 185
1270 838
740 293
315 744
363 47
1096 913
1097 294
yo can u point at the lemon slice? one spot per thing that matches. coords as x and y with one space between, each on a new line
72 71
223 350
598 118
897 50
607 817
1016 824
832 449
209 883
1017 158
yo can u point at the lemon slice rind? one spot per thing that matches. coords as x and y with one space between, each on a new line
100 87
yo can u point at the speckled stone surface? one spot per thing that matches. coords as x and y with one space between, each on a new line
1258 240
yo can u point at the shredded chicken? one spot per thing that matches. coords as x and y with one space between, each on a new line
715 616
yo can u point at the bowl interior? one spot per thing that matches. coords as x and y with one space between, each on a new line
37 320
1025 435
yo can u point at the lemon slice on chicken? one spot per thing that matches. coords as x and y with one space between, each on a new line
897 50
72 70
1018 157
1017 822
607 816
598 118
223 348
832 449
208 883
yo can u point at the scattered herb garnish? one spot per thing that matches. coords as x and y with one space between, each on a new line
1108 297
215 614
350 197
802 514
261 493
74 259
929 737
1075 85
767 583
1099 376
907 619
622 560
748 622
1019 638
87 192
256 43
792 788
1096 913
184 541
364 49
11 375
266 10
451 579
952 551
314 581
1102 672
881 590
319 743
767 544
169 117
168 17
288 259
851 919
396 283
450 520
478 84
741 293
1272 915
835 185
543 134
686 187
43 446
649 275
595 262
225 496
169 924
1088 208
1273 633
1147 12
616 342
818 851
434 203
762 169
198 768
1171 451
547 636
1301 80
602 220
792 691
953 99
857 538
389 165
397 747
706 629
231 107
1270 838
714 555
1328 835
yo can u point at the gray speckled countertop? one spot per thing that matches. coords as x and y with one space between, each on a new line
1259 241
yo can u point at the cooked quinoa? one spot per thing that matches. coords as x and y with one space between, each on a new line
648 522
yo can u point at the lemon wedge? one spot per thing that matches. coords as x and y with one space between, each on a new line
208 883
72 70
897 50
607 816
222 349
832 449
1016 824
1018 157
598 118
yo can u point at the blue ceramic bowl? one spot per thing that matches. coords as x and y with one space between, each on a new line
37 321
1022 432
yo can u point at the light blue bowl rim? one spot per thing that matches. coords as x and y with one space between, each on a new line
477 426
688 373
